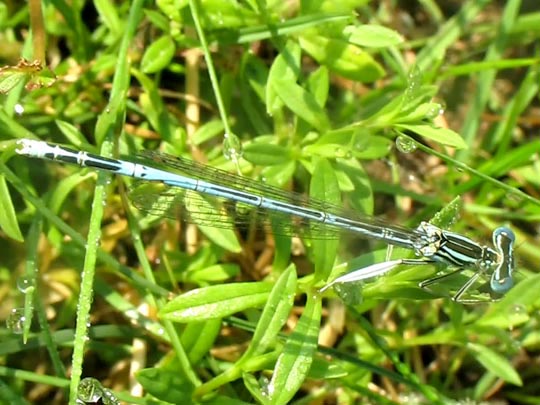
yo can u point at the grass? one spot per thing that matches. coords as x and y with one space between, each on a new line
410 114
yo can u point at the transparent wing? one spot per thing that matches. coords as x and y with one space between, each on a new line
175 202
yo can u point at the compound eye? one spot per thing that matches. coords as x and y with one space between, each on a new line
503 285
503 232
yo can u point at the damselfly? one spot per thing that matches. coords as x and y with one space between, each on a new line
294 212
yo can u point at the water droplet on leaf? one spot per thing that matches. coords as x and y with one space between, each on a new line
90 390
15 320
404 144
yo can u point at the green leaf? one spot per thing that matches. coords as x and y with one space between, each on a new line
108 13
275 313
443 136
253 387
371 146
446 216
323 369
266 154
220 14
286 67
343 58
414 112
349 142
387 111
295 360
165 385
217 272
199 337
8 218
159 20
8 81
515 307
158 55
72 134
64 188
208 131
318 84
252 81
250 34
254 74
495 363
372 36
153 105
324 186
301 103
361 198
223 400
226 238
279 175
215 301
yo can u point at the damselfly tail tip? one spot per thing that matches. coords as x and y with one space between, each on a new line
28 147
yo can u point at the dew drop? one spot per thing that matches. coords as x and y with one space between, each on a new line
514 197
25 285
109 398
15 321
340 152
404 144
414 84
517 314
19 109
516 345
442 106
434 110
90 390
266 387
232 147
518 309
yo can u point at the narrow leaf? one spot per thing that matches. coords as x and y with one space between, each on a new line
286 66
275 313
496 364
253 387
444 136
266 154
344 58
372 36
165 385
199 337
158 55
8 219
515 308
214 273
324 186
295 361
226 238
215 301
301 103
